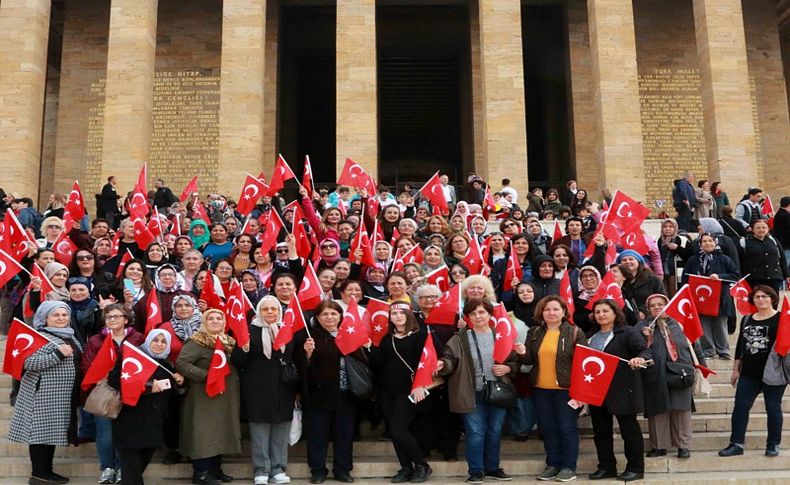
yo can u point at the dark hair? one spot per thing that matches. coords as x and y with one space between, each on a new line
538 316
505 181
726 211
330 304
531 252
412 325
99 220
572 219
784 201
115 306
345 283
768 291
571 257
42 251
755 191
472 304
701 182
277 275
396 274
619 316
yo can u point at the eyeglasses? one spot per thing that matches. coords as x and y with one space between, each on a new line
54 226
761 297
589 276
509 225
85 257
430 297
282 251
457 273
111 318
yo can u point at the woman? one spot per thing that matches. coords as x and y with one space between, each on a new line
544 270
712 263
414 279
496 249
668 409
206 440
436 225
522 417
45 410
522 245
51 228
479 227
550 344
763 258
706 203
186 317
589 280
269 401
564 261
85 264
510 228
640 282
624 398
343 270
395 361
468 362
241 257
374 285
382 253
223 270
674 249
720 197
455 249
284 288
433 258
198 233
141 284
350 290
329 253
457 224
478 287
253 286
553 203
103 249
755 342
539 236
327 279
191 262
263 262
86 318
181 246
155 256
328 402
58 275
168 286
327 225
578 201
389 217
397 287
458 273
218 247
56 206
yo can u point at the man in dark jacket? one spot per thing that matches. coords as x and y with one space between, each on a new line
781 230
684 200
107 203
164 197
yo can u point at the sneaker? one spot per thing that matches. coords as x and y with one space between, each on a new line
281 478
550 473
261 480
772 450
499 474
107 476
118 476
475 477
565 475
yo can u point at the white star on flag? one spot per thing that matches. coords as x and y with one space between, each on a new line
588 378
14 353
377 328
701 299
350 329
125 376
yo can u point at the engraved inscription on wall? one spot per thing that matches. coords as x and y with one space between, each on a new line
185 137
672 130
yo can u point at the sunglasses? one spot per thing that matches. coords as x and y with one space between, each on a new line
54 226
327 246
85 257
282 251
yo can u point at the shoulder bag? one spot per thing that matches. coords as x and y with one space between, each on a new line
436 382
496 393
360 381
104 401
289 374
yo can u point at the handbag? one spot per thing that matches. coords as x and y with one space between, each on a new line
702 387
295 431
360 381
289 374
104 401
679 375
777 369
496 393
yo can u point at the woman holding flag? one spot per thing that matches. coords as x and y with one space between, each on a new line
210 414
522 251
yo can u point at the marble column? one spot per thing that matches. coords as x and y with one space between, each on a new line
356 105
24 36
726 94
618 124
129 94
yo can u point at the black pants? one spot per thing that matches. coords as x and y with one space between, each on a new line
41 457
134 463
210 464
172 423
435 427
604 441
319 423
400 414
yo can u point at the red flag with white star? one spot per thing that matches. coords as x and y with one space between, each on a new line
377 313
566 293
782 345
293 321
218 370
250 194
236 314
136 369
189 189
64 249
740 294
505 334
707 293
626 212
209 293
142 235
423 377
608 289
439 277
21 343
153 310
353 332
432 191
102 364
513 270
310 293
447 308
681 307
591 375
76 204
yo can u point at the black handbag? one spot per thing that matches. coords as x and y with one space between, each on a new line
289 374
679 375
496 393
360 381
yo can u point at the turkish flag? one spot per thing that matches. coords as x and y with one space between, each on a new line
175 341
439 277
15 239
611 236
378 313
557 231
218 370
413 255
707 293
156 225
76 204
142 178
432 191
447 308
199 212
21 343
46 287
591 374
64 249
127 256
189 189
427 366
250 194
513 270
767 209
353 175
626 212
271 231
634 239
782 345
136 369
293 321
303 245
377 234
740 294
102 364
608 289
175 228
138 204
116 244
307 176
361 241
282 172
488 200
153 310
566 293
474 256
236 315
310 293
142 235
209 293
395 235
505 334
353 332
681 307
8 268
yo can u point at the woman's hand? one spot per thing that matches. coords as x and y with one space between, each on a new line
520 349
309 347
178 378
599 239
439 366
671 246
736 374
104 302
290 240
66 350
157 387
418 394
636 362
363 192
358 256
246 347
715 277
32 249
303 193
500 370
202 305
35 283
515 282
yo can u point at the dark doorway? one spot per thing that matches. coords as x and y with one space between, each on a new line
306 89
424 92
546 86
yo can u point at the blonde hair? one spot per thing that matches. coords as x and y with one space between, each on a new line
470 280
52 220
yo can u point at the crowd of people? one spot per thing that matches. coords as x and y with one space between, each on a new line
105 292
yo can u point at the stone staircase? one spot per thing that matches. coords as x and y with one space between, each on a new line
374 460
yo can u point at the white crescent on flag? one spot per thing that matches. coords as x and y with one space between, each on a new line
254 191
596 360
704 287
223 358
26 337
620 207
134 362
681 304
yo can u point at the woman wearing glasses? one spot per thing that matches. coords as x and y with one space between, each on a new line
85 264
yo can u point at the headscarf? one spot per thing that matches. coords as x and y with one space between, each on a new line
633 254
198 241
259 292
268 331
706 258
669 239
710 225
150 338
584 293
329 261
185 328
86 282
158 283
61 293
203 338
44 310
524 311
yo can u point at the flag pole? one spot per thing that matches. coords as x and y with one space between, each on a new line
616 356
653 323
306 324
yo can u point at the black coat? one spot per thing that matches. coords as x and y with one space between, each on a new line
266 397
781 230
763 260
107 202
721 265
625 392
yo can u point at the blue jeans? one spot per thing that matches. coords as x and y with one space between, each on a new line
557 422
483 430
521 416
108 458
747 391
87 428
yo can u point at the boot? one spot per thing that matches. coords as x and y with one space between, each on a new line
421 473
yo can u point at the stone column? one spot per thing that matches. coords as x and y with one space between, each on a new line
726 95
356 105
270 144
501 91
241 92
618 124
129 94
24 34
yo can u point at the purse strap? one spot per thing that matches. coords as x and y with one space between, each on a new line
395 349
479 355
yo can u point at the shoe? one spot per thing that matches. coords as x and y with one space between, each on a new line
41 481
627 476
566 475
731 450
118 476
58 478
261 480
344 477
204 478
107 476
421 473
656 452
281 478
317 477
602 474
219 475
499 474
403 475
475 477
725 357
172 457
772 450
549 473
684 453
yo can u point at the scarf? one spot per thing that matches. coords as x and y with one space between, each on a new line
158 283
670 238
259 291
672 349
185 328
47 307
198 241
205 339
705 260
150 338
268 331
66 333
